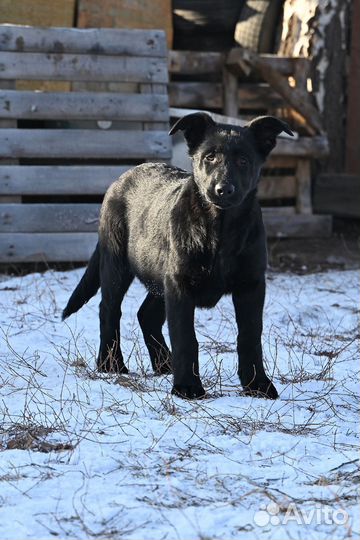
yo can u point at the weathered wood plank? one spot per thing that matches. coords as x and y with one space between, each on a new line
70 67
9 198
46 247
99 41
149 126
38 12
83 105
297 226
57 179
281 162
202 95
352 137
283 210
230 93
126 14
84 143
338 194
195 62
315 147
198 62
156 89
303 187
208 95
47 217
277 187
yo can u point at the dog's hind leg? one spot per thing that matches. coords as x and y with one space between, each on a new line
151 316
115 279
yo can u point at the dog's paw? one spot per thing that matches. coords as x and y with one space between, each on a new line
111 365
262 389
193 391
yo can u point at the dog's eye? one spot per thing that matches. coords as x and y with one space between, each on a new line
242 161
211 156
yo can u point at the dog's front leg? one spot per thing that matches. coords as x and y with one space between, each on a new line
180 316
248 301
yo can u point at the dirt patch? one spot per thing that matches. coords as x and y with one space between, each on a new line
307 255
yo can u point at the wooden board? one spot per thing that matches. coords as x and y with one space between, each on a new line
57 179
202 95
315 147
303 187
47 217
99 41
352 146
82 143
280 162
283 211
209 95
83 105
297 225
277 187
126 14
198 62
81 67
37 12
337 194
46 247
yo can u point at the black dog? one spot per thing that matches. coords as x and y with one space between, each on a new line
190 238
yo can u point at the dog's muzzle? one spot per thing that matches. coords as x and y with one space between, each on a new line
222 195
224 191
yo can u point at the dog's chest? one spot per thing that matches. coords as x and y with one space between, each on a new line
212 275
208 260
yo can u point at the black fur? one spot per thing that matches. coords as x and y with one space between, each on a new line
190 238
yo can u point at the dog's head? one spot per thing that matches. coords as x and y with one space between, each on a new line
227 159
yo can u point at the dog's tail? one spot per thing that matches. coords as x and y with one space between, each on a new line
87 287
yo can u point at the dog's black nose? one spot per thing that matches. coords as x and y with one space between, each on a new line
224 190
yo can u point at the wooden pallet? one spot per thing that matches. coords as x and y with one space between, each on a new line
59 151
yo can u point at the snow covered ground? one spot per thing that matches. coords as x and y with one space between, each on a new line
85 455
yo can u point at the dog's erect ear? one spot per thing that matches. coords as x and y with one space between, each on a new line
194 127
265 130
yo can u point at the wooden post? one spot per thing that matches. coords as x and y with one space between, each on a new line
230 93
8 124
153 126
303 187
353 110
318 29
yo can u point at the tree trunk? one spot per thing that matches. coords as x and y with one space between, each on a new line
319 30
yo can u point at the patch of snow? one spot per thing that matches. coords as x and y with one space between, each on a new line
84 454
